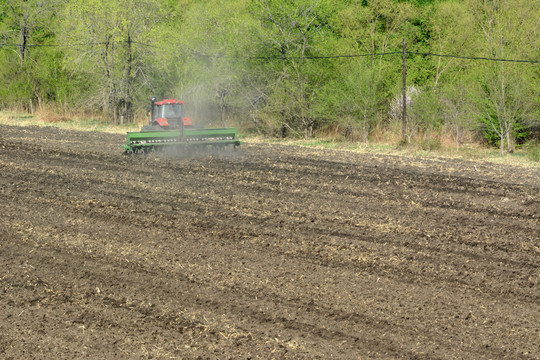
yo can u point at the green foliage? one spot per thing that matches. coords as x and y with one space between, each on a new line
289 34
107 41
267 64
28 73
533 150
490 123
425 113
430 144
212 61
354 97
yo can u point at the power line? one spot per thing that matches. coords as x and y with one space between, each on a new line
422 53
352 56
473 58
77 44
57 45
315 57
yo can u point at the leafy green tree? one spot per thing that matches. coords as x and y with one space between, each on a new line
452 33
111 42
356 96
212 40
505 96
27 74
504 104
289 34
25 18
375 26
424 114
457 110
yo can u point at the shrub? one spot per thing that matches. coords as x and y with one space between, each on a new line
533 151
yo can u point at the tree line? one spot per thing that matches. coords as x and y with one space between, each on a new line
283 67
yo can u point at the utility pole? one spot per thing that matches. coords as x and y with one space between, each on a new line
404 113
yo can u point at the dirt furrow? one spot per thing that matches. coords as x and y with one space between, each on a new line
272 252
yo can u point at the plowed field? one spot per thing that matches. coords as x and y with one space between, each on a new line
270 252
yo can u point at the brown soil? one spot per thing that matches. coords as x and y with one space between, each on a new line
271 252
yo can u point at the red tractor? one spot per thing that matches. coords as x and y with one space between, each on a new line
166 115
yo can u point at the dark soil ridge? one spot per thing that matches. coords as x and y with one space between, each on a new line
272 252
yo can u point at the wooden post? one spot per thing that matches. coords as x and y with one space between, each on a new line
404 113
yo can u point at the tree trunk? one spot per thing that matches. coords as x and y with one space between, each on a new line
126 111
510 143
221 94
457 137
22 46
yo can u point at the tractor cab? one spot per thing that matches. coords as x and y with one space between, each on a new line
166 114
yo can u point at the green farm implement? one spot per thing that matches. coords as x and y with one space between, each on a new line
169 129
138 142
